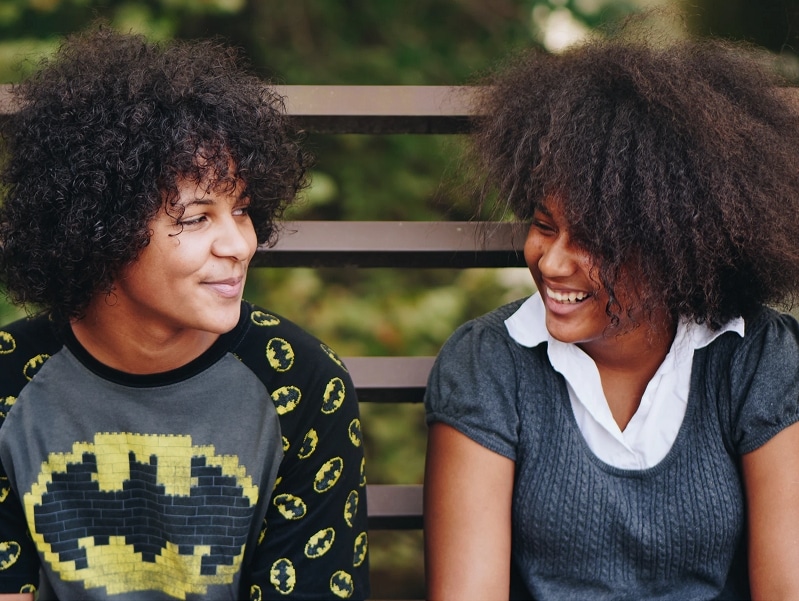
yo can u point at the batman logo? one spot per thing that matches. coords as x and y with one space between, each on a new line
286 444
308 444
260 318
363 472
332 354
286 398
328 474
351 507
289 506
7 343
279 354
9 554
361 548
4 489
320 543
334 394
341 584
136 512
33 366
282 576
354 431
255 593
262 534
6 404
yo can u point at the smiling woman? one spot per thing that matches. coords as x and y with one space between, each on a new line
165 438
629 431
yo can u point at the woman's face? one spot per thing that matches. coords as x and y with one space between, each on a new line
575 301
191 275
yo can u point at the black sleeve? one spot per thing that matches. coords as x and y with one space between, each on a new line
314 540
24 346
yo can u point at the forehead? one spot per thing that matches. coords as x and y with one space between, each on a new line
207 185
552 206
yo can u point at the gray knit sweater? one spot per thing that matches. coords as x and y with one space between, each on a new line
583 529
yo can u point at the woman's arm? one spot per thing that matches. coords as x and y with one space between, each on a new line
771 478
467 518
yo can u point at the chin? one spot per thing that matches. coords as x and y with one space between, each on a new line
223 322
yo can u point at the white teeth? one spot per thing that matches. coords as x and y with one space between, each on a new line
571 297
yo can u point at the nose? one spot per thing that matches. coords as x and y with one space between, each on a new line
553 256
558 259
235 239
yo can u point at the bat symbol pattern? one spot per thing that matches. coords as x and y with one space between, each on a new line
133 512
279 354
33 366
261 318
7 343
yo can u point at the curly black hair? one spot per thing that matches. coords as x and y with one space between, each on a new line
677 161
104 131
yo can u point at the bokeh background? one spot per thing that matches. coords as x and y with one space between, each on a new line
390 177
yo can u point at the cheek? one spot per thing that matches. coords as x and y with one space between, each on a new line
532 254
251 238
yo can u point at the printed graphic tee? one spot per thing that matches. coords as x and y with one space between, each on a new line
239 475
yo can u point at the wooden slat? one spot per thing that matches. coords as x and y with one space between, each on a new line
364 109
379 109
394 506
6 106
371 109
454 244
389 379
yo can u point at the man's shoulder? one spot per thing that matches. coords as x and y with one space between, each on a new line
25 345
282 343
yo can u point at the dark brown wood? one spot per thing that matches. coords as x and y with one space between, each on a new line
394 506
363 109
454 244
389 379
379 109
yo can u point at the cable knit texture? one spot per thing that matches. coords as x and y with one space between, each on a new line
584 529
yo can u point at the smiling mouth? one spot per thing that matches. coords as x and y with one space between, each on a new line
567 297
228 288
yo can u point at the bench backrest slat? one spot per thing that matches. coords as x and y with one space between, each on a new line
453 244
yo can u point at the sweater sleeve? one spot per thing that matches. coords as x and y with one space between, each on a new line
313 542
765 381
473 386
24 345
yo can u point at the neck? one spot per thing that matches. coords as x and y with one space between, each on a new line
627 366
129 345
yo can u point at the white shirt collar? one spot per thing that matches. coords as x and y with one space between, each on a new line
527 326
651 432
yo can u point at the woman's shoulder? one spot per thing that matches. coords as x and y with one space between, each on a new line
768 331
758 371
490 325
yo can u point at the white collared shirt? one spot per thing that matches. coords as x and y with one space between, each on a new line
652 430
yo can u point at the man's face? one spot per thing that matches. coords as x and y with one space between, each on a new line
191 275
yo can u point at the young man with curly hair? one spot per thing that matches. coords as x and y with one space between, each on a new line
630 431
163 438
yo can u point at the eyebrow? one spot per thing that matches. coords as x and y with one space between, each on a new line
196 201
542 209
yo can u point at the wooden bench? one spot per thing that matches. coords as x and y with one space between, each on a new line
441 244
385 110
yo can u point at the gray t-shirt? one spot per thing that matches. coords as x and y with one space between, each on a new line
583 529
237 475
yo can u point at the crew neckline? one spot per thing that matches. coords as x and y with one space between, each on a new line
214 353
